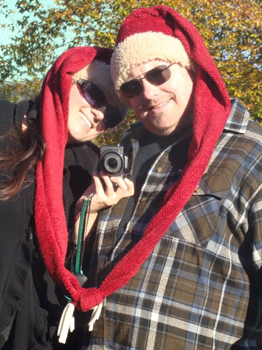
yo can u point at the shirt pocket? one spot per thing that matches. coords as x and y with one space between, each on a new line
200 217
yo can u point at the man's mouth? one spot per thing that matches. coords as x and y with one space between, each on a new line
158 105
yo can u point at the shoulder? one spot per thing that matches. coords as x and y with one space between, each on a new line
248 141
12 114
7 115
84 154
241 132
236 163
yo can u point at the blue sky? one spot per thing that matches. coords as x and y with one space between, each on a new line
5 33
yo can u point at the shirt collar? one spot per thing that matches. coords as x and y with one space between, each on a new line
238 118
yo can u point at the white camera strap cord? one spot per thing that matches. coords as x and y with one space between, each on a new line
67 320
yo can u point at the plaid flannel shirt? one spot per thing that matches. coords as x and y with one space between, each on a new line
201 288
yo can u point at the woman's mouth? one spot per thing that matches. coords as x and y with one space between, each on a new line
86 120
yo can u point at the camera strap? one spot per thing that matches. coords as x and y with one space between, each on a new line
85 212
67 320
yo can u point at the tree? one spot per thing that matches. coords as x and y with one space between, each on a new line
230 29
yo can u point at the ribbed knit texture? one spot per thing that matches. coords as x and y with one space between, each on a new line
51 227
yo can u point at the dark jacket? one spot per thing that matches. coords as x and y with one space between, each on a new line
30 304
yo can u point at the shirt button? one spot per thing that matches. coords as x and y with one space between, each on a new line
143 200
159 169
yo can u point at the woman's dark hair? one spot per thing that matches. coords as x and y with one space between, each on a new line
21 151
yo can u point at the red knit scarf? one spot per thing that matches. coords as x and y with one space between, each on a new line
211 110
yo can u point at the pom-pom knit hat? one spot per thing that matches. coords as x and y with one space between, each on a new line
145 36
211 110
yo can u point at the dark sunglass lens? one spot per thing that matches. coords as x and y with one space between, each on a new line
96 98
97 95
158 75
93 94
131 88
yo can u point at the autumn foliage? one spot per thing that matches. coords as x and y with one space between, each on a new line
232 31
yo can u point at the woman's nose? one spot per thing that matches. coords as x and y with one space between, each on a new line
99 113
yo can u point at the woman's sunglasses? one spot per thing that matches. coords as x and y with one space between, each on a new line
156 76
97 99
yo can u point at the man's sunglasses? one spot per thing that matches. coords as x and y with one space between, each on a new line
97 99
156 76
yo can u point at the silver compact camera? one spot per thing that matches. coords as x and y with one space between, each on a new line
113 162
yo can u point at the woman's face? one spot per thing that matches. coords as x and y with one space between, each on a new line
84 121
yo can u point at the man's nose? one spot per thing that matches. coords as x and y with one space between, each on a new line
149 90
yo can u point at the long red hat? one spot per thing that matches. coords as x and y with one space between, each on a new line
51 228
160 32
211 110
154 33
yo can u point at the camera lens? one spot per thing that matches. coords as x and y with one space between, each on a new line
111 163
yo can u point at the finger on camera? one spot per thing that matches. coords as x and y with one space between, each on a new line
121 182
97 181
102 187
108 184
109 179
130 185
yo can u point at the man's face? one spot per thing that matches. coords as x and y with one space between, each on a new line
162 108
